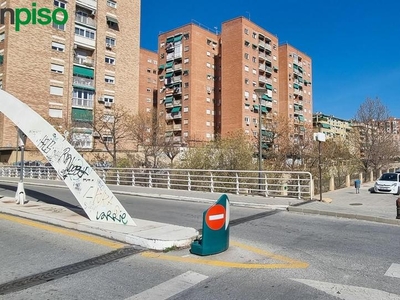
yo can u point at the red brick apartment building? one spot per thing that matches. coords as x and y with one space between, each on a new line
207 81
68 73
148 79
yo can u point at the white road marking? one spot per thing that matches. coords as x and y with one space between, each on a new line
348 292
171 287
393 271
216 217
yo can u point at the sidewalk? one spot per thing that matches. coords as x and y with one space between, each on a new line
344 203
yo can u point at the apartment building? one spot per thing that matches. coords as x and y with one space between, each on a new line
207 82
188 86
148 80
69 73
295 88
332 126
249 61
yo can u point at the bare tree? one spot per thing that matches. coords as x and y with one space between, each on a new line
112 129
149 134
377 146
171 150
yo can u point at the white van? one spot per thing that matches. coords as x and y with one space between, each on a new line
388 183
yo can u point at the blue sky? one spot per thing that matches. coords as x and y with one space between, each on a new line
354 44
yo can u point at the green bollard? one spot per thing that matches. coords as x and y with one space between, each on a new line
215 236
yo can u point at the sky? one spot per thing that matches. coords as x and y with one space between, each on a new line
354 44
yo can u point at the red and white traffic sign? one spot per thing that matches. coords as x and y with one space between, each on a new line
215 217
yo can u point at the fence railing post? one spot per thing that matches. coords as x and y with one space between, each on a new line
168 181
189 182
211 183
237 184
118 178
104 176
266 184
133 177
298 187
150 180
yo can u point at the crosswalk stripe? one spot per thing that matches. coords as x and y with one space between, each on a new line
348 292
393 271
171 287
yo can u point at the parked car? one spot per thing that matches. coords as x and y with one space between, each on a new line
388 183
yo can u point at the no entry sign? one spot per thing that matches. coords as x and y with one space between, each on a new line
215 217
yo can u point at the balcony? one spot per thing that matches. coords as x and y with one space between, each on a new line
262 79
177 127
268 70
168 116
82 81
92 4
88 103
177 79
177 116
177 139
177 103
86 61
85 20
178 67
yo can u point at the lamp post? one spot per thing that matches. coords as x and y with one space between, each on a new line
259 92
20 196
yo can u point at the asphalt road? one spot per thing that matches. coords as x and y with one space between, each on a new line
278 256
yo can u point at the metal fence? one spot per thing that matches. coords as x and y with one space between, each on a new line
266 183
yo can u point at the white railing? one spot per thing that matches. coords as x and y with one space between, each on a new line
266 183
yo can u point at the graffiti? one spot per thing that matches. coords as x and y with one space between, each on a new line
46 144
74 166
112 216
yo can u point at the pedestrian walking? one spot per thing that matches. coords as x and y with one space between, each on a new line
357 184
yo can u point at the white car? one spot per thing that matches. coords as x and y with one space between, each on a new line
388 183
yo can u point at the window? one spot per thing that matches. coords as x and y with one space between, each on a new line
57 46
57 68
246 95
110 60
112 23
246 68
59 4
208 100
55 113
246 56
59 26
110 41
186 60
208 65
254 71
208 124
254 59
186 49
81 97
185 121
85 32
246 81
108 99
208 53
1 84
109 79
186 109
112 3
107 139
208 112
246 31
2 36
56 90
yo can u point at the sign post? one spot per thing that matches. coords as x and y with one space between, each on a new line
215 235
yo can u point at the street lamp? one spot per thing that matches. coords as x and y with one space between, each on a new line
259 92
20 196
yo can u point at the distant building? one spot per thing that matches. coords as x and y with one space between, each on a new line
332 126
148 80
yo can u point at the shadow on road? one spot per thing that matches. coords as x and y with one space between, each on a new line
43 197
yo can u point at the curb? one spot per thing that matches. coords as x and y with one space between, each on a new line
343 215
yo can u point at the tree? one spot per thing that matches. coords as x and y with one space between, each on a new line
112 129
235 152
376 144
148 132
171 150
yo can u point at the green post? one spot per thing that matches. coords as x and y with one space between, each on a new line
215 235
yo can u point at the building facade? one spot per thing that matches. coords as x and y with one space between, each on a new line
188 86
69 73
148 79
332 126
207 82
